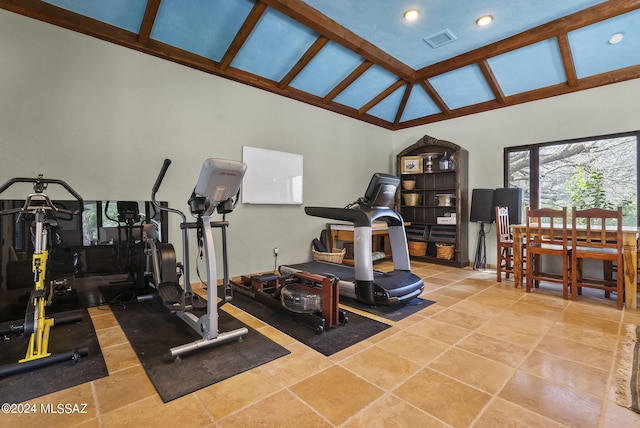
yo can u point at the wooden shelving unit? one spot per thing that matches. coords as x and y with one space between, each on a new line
423 217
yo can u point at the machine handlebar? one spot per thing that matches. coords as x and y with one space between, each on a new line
39 185
163 171
156 186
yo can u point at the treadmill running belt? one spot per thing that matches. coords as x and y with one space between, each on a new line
397 283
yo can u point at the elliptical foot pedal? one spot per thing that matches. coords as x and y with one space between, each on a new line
170 293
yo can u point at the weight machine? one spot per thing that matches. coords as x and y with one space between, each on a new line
36 323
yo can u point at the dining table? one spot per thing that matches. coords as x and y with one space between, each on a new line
629 249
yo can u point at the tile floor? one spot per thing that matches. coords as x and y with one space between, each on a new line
484 355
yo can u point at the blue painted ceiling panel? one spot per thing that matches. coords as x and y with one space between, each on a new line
204 27
126 14
274 46
593 54
199 33
418 105
366 87
532 67
462 87
327 69
380 22
387 109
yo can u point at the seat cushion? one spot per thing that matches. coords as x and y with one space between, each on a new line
596 250
552 247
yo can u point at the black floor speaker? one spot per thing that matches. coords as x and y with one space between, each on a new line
513 198
482 206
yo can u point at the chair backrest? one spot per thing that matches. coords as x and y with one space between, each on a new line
547 226
597 228
502 224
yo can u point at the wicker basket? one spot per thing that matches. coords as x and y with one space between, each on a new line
411 199
335 257
408 184
417 248
445 251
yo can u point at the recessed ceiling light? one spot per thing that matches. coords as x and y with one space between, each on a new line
411 14
616 38
484 20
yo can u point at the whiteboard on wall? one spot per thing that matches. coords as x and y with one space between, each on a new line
272 177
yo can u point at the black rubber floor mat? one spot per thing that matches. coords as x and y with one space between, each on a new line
153 331
357 329
45 380
393 312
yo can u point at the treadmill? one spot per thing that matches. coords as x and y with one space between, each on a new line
362 282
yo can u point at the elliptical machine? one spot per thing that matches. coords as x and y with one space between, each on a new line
217 189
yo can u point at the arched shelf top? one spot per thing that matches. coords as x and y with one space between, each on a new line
430 141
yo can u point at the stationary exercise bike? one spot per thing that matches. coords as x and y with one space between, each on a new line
36 323
217 189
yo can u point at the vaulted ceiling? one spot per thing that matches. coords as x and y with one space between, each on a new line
360 58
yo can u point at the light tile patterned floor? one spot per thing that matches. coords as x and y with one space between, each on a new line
484 355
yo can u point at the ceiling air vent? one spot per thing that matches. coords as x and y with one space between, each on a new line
440 38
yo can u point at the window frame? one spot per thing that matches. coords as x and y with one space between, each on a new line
534 159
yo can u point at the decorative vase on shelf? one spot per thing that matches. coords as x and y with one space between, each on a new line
444 162
428 161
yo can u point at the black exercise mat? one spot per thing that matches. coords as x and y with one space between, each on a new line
84 295
393 312
357 329
64 302
45 380
120 292
153 331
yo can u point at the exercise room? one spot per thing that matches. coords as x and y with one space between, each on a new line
242 213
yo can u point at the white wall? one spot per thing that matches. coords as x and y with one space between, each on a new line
594 112
103 118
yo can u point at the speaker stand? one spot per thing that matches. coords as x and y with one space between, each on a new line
481 250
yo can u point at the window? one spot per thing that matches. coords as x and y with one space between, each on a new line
101 217
89 223
97 215
599 172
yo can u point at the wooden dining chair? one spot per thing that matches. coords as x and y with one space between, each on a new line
610 267
546 235
596 234
504 241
